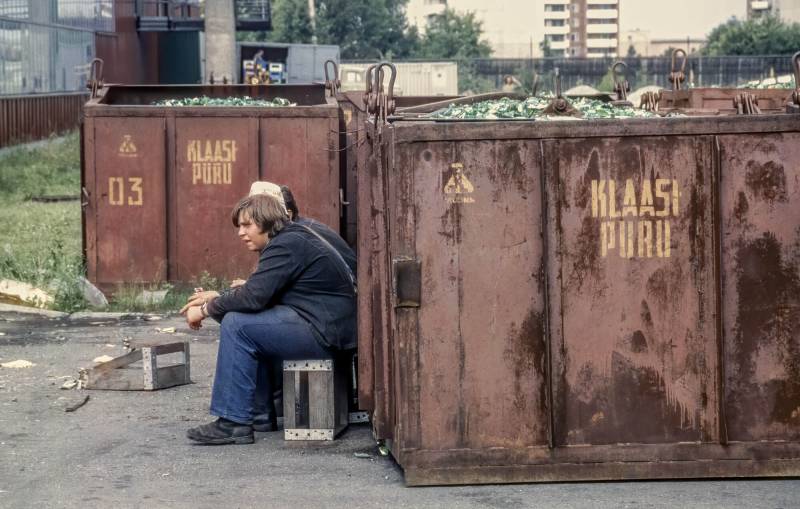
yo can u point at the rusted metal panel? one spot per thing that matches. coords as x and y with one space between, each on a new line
632 290
127 198
214 168
474 213
34 117
300 153
761 289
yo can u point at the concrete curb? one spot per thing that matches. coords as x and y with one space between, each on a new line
13 308
83 315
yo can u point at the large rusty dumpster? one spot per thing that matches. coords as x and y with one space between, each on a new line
160 181
574 300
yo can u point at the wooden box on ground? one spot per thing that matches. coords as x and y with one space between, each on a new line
314 399
120 374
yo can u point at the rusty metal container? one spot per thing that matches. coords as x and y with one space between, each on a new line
159 182
586 300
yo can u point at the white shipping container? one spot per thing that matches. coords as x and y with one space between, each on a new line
413 78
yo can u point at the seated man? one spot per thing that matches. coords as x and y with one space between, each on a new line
298 304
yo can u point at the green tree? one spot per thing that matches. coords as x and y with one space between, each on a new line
290 22
366 29
453 36
547 51
765 35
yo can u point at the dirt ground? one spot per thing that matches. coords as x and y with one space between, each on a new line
128 449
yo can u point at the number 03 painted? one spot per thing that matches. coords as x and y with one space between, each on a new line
117 192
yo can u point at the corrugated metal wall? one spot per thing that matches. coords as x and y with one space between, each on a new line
32 117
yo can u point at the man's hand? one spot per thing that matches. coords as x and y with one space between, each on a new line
198 299
194 317
237 283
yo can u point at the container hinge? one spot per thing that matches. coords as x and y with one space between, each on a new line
407 282
85 194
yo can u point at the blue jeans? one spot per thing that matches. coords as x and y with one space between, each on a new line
251 346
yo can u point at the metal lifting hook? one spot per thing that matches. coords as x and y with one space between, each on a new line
332 85
678 76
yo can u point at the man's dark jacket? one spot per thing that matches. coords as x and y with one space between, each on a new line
298 270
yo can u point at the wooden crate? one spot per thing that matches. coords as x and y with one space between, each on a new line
120 374
314 399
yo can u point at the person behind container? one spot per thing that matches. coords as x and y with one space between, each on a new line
298 304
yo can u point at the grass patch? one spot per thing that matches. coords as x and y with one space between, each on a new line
40 243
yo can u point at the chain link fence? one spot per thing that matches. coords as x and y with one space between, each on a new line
45 46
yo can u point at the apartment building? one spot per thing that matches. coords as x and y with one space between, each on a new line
515 28
582 28
787 10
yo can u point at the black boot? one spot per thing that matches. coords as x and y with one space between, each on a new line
221 432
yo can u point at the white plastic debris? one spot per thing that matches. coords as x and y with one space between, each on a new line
166 330
19 363
69 384
103 358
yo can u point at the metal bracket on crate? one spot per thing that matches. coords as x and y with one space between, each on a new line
678 75
746 103
332 85
650 100
95 81
794 105
381 104
621 86
559 105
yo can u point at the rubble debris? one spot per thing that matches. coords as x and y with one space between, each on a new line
69 384
102 358
16 292
166 330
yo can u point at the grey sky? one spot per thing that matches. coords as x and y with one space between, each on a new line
678 18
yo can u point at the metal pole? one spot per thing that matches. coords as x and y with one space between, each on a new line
312 16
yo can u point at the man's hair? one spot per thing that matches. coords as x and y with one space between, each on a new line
288 199
263 210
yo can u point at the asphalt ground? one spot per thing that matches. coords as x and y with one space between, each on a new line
128 449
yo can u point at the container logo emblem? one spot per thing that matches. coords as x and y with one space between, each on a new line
458 188
127 148
639 224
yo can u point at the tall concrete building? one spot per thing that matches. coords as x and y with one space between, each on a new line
516 28
787 10
582 28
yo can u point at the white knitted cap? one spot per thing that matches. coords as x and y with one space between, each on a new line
263 187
